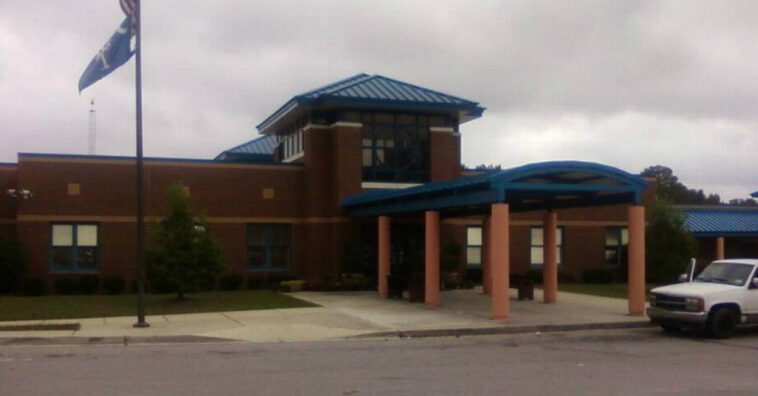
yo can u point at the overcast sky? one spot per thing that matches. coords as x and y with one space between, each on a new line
630 84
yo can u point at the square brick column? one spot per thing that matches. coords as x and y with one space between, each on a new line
384 255
432 259
550 259
486 243
500 264
636 293
720 255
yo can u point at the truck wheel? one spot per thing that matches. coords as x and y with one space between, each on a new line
670 328
722 323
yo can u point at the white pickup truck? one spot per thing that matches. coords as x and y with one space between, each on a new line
722 296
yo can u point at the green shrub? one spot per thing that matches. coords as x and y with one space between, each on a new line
66 286
565 277
230 281
183 256
12 264
34 287
256 282
114 284
669 245
598 275
318 286
88 284
355 282
535 275
275 279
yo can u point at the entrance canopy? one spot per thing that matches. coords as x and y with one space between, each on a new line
538 186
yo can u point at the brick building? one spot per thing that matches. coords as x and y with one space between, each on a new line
279 203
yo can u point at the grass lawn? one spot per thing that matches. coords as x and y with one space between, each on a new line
615 290
65 307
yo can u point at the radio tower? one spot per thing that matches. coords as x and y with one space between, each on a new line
92 128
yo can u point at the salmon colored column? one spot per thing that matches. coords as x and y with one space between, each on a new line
550 260
384 255
500 261
486 243
432 257
720 248
636 293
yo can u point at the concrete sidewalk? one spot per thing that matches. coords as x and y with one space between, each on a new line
351 314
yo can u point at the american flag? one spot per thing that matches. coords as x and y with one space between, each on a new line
128 6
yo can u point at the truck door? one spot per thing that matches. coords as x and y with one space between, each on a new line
751 299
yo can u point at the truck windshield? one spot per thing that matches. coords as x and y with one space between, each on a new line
727 273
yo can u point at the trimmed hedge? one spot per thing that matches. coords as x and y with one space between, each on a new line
88 284
256 282
275 279
599 275
114 284
229 282
65 286
34 287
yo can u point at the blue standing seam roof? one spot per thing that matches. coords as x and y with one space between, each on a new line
259 149
264 144
378 90
714 222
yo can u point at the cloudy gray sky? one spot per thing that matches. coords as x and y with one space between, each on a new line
625 83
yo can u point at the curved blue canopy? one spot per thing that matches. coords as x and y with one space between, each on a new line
537 186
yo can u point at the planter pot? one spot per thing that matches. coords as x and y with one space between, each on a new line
452 280
416 292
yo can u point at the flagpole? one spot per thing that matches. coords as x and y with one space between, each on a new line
140 199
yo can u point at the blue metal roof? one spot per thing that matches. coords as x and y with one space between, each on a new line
259 149
721 222
537 186
376 90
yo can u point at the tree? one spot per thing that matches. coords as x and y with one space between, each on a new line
487 167
669 246
669 188
743 202
12 264
183 254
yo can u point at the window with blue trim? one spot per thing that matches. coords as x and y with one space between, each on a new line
395 147
74 248
268 246
537 253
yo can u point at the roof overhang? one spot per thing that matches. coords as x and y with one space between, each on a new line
716 221
539 186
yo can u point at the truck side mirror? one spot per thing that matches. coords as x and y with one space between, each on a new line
755 283
683 278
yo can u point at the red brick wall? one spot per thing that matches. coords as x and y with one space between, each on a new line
8 180
107 188
445 152
346 164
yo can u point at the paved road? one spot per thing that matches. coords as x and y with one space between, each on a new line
632 362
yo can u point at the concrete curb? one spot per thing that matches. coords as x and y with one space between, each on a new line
507 330
115 340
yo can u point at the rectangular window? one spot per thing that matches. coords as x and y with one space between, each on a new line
395 148
74 248
268 246
474 247
616 243
537 244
